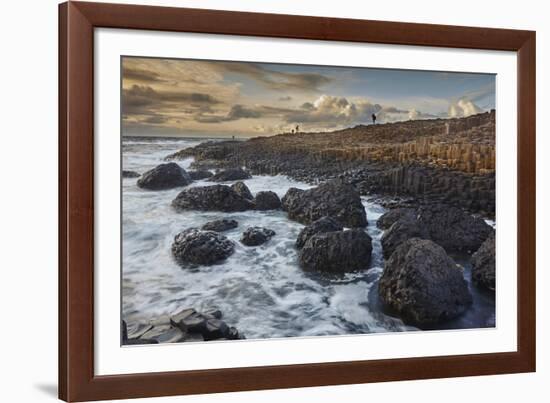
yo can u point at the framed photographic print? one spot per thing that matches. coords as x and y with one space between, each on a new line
256 201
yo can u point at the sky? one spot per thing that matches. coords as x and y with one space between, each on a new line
200 98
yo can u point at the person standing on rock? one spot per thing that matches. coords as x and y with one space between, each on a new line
373 119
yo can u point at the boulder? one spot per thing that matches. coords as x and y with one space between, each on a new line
130 174
422 284
325 224
232 174
164 176
334 199
483 264
337 252
394 215
399 232
197 247
255 236
267 200
215 329
211 198
453 228
200 174
220 225
242 190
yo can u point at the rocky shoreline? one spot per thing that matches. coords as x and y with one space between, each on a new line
448 161
434 212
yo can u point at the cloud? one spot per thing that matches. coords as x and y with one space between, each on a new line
139 74
324 112
142 94
243 112
463 108
332 111
276 80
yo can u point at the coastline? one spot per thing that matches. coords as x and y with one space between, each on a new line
313 168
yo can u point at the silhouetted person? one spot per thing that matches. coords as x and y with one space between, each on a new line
373 119
297 128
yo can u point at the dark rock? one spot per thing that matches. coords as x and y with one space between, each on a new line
399 232
483 264
124 331
254 236
130 174
267 200
337 252
233 334
211 198
422 284
334 199
290 197
242 190
194 323
325 224
453 228
176 319
220 225
232 174
137 342
136 330
164 176
172 335
200 174
197 247
164 334
215 329
193 337
213 313
394 215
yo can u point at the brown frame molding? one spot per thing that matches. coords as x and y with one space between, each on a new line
77 21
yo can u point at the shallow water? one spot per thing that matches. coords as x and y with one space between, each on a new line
260 290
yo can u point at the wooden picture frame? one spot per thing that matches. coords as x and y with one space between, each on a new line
77 21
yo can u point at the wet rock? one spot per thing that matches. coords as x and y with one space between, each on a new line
232 174
136 342
193 337
422 284
324 224
176 320
337 252
333 198
254 236
164 176
242 190
211 198
267 200
399 232
233 334
194 323
136 330
394 215
164 334
124 331
200 174
215 329
130 174
197 247
453 228
213 313
220 225
483 264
